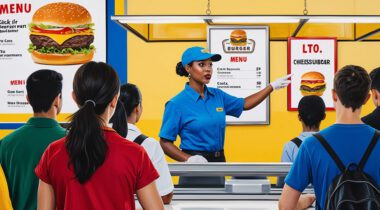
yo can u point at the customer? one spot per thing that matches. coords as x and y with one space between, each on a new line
311 111
21 150
94 167
127 114
5 203
348 137
373 119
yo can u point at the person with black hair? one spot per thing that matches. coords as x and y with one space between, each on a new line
198 113
373 119
311 111
21 150
349 138
127 114
93 167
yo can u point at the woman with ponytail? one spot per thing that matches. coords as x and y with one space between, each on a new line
198 114
127 114
93 167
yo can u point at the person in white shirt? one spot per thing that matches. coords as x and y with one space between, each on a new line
127 114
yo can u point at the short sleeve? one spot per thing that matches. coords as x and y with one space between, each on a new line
286 154
146 172
171 122
164 183
42 169
232 105
299 176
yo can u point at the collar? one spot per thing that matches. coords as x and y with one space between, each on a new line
133 127
195 95
377 109
42 122
108 129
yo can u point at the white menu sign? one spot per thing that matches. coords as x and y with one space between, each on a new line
313 63
244 68
20 56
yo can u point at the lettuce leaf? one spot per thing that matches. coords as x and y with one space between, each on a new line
54 50
43 26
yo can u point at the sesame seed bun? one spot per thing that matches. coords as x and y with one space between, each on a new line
62 59
312 75
62 14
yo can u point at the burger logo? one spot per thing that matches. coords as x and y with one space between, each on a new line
61 33
238 38
312 83
238 43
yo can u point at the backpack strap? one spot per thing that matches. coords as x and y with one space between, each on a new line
331 152
140 139
367 153
297 141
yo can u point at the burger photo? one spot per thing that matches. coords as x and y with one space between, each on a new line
238 38
312 83
61 33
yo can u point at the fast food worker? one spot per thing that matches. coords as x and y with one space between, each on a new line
198 113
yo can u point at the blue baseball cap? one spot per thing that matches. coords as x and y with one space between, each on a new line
198 54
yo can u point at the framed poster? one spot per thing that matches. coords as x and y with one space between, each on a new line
244 67
49 34
313 63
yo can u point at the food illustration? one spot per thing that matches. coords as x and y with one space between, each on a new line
312 83
61 33
238 38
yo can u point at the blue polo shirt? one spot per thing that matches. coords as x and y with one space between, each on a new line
314 165
200 122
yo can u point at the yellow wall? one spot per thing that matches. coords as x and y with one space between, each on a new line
152 67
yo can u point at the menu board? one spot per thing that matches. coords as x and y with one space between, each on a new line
244 67
312 61
45 34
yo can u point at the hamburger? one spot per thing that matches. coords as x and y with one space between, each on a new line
312 83
238 38
61 33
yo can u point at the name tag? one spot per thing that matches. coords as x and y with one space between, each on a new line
219 109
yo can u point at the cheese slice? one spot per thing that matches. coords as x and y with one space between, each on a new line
61 38
313 85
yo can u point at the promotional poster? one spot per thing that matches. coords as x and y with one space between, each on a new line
312 61
244 67
56 35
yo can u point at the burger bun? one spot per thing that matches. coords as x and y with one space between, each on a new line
312 75
62 59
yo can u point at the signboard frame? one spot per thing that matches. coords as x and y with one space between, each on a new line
238 121
289 58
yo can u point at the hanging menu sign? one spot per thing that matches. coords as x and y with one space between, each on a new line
244 67
313 63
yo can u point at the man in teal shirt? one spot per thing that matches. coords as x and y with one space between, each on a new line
21 150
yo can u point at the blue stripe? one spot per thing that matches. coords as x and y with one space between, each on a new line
10 126
116 44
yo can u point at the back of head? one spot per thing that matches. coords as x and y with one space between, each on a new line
95 85
42 87
311 110
351 84
375 79
129 99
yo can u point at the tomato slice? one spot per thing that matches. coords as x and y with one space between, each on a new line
313 81
65 30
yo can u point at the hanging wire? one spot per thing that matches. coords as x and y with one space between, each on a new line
208 10
305 8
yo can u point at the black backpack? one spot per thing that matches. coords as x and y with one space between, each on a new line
297 141
140 139
353 189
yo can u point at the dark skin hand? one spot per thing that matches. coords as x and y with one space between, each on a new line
166 199
173 151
